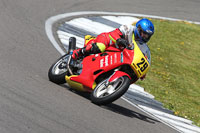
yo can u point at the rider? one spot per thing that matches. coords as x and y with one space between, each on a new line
119 38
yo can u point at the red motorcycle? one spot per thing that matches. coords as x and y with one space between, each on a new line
107 76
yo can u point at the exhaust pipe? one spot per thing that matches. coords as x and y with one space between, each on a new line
72 47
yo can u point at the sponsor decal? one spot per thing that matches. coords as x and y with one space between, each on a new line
101 63
105 61
115 58
111 60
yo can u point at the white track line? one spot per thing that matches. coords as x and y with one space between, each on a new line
150 114
90 25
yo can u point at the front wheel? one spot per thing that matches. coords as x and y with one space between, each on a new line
106 93
58 70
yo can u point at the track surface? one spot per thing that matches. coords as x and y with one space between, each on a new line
30 103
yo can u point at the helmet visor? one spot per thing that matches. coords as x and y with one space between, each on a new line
144 35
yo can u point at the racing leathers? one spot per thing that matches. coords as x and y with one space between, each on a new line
117 38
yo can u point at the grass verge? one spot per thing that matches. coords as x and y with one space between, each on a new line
174 76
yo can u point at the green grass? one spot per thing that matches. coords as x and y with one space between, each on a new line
174 77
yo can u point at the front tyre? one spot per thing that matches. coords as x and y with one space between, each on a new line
104 94
58 70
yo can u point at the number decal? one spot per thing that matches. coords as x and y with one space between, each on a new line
139 64
142 65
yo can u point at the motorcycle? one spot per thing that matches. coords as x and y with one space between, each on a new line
106 76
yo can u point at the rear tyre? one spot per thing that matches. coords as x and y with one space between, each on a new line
58 70
104 94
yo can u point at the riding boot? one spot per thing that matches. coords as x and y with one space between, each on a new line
82 52
77 53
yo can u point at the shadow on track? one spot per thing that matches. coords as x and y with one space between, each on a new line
116 108
80 93
129 113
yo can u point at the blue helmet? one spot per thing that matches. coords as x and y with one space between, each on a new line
144 30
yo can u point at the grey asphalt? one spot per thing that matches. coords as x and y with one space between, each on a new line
29 103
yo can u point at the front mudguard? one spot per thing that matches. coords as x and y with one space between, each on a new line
116 75
112 88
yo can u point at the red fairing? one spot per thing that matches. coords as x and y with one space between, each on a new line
118 74
95 65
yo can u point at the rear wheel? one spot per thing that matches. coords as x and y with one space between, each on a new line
58 70
106 93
